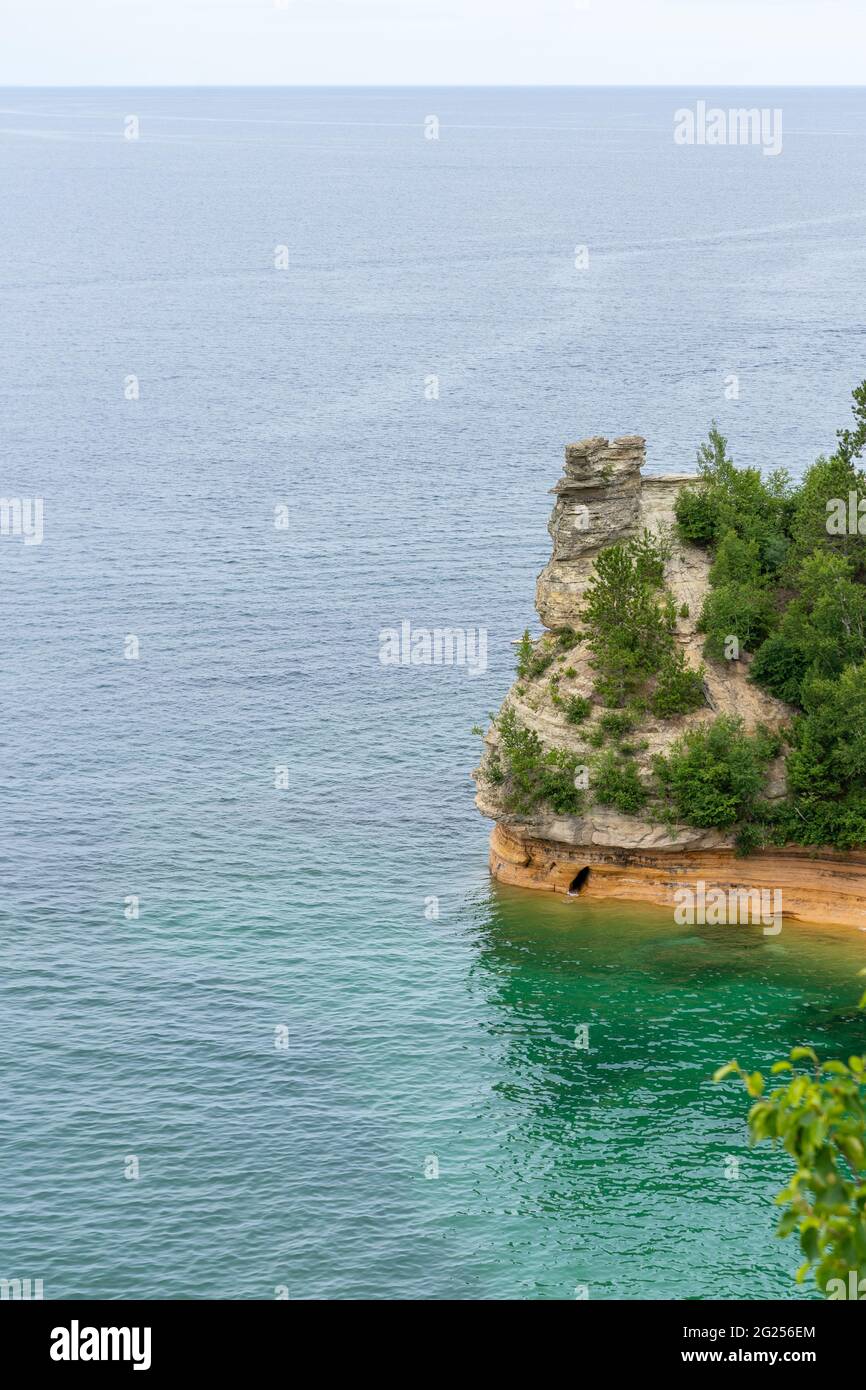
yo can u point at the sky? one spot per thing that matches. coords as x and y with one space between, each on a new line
431 42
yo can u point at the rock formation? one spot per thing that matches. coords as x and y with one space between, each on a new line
604 498
598 503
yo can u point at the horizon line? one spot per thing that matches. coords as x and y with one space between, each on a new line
429 86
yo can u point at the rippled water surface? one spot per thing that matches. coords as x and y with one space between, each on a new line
411 1037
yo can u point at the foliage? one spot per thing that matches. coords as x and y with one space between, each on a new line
827 480
532 774
749 837
616 723
780 664
744 611
728 498
832 616
712 774
736 561
697 515
818 1116
828 754
577 709
531 663
629 623
556 787
822 630
679 688
494 769
853 442
617 783
651 551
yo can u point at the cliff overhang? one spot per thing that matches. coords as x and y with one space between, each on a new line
605 497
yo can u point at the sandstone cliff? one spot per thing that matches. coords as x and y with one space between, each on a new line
604 498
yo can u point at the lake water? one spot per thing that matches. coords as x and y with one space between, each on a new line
300 914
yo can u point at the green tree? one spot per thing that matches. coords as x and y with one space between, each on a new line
713 774
828 756
525 655
836 609
679 688
736 561
728 498
531 774
629 624
818 1116
577 709
745 611
827 481
532 663
615 782
822 630
830 481
781 664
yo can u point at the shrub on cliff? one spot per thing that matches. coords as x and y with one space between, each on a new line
577 709
557 789
679 688
734 499
629 622
713 774
831 612
736 561
807 819
615 723
697 515
616 783
533 775
829 481
822 630
743 611
651 550
828 754
780 664
531 663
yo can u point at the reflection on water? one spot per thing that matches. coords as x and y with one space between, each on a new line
626 1143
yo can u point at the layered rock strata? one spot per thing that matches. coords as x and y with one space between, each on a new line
604 498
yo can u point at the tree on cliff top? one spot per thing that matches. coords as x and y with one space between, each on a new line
738 500
629 624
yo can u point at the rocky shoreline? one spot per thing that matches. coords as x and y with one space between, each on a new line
604 498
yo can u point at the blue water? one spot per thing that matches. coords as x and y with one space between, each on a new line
410 1038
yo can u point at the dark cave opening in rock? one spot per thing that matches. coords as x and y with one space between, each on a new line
578 882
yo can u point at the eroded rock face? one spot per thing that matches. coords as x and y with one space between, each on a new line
603 498
820 886
597 504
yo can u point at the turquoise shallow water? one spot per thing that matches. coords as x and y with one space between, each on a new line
409 1040
304 908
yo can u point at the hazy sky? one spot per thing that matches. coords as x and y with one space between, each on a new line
431 41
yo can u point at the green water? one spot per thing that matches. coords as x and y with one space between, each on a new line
627 1152
410 1039
417 1046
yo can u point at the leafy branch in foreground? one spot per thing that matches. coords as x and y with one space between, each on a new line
819 1117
